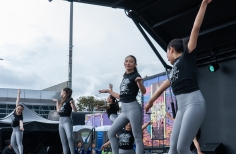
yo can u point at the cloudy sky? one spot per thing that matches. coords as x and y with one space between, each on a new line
34 43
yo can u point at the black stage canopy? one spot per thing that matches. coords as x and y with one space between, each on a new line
165 20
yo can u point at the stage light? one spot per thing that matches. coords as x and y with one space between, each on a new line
213 66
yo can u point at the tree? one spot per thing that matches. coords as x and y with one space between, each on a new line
89 103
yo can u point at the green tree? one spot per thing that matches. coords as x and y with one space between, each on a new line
89 103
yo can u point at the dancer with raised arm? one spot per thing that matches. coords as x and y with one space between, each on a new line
183 80
112 108
64 107
17 126
131 110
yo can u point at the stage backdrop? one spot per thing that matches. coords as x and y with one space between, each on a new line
162 126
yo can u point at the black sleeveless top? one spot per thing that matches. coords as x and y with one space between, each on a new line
183 76
112 110
126 139
66 109
16 119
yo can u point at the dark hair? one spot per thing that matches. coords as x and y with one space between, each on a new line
93 142
7 142
114 100
178 44
135 60
20 105
68 95
78 142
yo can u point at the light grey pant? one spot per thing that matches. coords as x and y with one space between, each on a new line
131 112
66 134
121 151
113 117
16 140
190 115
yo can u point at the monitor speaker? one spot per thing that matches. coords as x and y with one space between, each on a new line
213 148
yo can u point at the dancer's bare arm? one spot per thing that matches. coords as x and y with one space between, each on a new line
105 145
21 125
57 104
146 124
197 25
72 104
116 95
157 94
139 82
169 116
18 97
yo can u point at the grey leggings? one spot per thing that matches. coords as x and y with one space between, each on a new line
121 151
65 131
113 117
16 140
191 113
131 112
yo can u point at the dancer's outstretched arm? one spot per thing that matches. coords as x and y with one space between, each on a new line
157 94
18 97
116 95
146 124
197 25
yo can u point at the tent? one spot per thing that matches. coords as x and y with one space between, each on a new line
39 133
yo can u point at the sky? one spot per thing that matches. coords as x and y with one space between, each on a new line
34 43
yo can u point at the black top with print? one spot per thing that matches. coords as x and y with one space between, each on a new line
16 119
129 88
126 139
66 109
112 110
183 76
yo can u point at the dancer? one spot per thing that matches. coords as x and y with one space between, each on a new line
17 126
195 140
131 110
112 108
126 139
64 107
183 79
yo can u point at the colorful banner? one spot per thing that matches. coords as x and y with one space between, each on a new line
159 133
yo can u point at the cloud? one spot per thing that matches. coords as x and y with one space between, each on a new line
34 44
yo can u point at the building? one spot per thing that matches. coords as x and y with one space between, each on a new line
40 101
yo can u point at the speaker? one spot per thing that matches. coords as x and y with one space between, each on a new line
213 148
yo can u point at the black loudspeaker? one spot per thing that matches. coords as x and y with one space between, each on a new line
213 148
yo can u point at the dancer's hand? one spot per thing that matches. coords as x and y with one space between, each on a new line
72 102
103 146
21 128
168 115
19 91
110 86
150 123
148 106
207 1
138 79
104 91
55 100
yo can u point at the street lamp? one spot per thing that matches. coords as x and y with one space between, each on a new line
70 44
